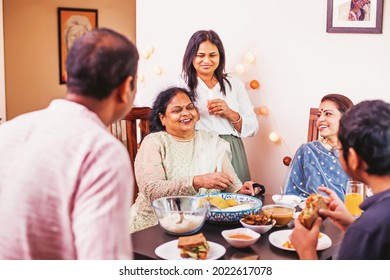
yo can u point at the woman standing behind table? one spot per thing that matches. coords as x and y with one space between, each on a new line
174 159
223 102
316 163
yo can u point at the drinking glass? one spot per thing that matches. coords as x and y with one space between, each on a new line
209 101
354 197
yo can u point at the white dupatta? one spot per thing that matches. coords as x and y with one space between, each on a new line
210 154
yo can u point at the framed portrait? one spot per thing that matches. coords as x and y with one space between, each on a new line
72 24
354 16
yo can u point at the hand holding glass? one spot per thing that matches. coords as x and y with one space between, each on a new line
209 102
354 197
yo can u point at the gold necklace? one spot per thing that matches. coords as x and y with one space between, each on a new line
325 143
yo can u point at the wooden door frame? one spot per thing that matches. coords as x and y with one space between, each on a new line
3 113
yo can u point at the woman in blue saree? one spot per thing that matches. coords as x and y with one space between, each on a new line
316 163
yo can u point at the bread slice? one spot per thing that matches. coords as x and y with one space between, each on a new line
314 203
193 246
191 241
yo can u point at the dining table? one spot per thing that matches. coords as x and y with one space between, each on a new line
146 241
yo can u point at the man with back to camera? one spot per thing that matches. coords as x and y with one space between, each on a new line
364 136
66 182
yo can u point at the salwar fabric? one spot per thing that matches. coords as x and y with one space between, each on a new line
239 160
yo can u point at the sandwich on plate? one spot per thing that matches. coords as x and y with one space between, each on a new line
193 246
314 203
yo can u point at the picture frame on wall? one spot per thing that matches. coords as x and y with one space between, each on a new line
354 16
72 24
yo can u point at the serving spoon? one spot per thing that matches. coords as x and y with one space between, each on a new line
177 201
281 193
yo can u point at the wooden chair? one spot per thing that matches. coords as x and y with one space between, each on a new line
127 132
313 132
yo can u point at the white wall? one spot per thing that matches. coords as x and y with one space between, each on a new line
297 63
2 77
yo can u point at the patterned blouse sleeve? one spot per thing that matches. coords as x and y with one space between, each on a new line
295 182
150 174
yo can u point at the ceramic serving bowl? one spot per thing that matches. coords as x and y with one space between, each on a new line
181 215
281 213
259 228
240 237
246 205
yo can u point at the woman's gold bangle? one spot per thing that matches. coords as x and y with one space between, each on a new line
237 121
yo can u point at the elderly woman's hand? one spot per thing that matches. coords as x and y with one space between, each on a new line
248 189
216 180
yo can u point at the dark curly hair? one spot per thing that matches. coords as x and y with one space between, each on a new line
189 72
366 128
160 106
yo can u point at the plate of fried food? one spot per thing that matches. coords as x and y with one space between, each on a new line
258 223
281 240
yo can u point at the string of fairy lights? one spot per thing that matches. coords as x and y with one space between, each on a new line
249 60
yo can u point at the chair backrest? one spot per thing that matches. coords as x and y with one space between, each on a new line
312 133
126 131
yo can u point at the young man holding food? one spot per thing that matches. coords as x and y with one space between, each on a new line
364 136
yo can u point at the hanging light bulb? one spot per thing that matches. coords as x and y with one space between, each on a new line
145 54
254 84
286 160
274 137
261 111
158 70
141 78
239 68
264 110
149 48
250 57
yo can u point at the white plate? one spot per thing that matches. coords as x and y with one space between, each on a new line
278 238
296 214
169 251
288 199
302 204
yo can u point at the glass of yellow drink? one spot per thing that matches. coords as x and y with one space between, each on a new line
354 197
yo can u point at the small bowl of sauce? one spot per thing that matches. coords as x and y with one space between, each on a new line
240 237
281 213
